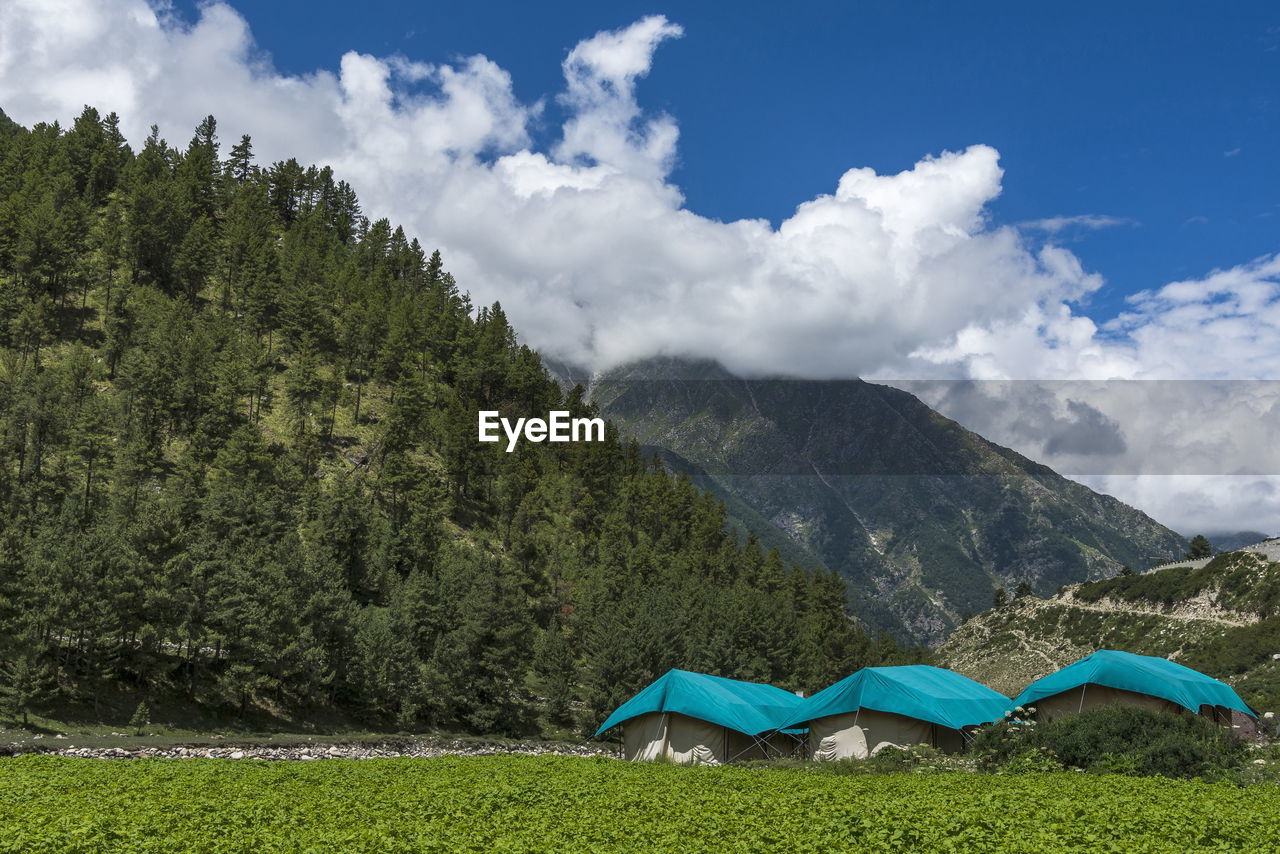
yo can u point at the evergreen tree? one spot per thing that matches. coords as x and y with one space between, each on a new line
1200 548
141 718
26 680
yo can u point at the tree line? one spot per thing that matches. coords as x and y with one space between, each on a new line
240 475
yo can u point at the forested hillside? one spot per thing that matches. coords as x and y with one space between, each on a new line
240 475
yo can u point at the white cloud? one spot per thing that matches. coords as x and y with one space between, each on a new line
1055 224
1189 376
1224 326
1194 504
600 74
589 245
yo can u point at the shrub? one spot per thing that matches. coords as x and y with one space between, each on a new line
997 743
1117 739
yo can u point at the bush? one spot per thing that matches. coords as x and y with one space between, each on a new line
1116 739
997 743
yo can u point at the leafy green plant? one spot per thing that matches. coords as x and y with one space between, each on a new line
1117 763
1033 760
52 805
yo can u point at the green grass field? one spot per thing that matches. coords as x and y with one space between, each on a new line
528 804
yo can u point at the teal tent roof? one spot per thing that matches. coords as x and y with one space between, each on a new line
747 707
915 690
1144 674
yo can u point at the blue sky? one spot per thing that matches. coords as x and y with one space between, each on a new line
1164 115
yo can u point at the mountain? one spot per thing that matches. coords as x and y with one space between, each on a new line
1221 617
924 518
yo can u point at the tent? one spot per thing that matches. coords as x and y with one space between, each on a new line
696 719
1112 677
895 706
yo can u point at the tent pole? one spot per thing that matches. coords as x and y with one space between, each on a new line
1082 689
756 741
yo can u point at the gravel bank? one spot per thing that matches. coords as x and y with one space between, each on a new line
304 752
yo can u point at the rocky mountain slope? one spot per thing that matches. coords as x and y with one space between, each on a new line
924 517
1221 617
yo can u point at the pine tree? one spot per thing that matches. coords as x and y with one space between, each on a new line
141 718
26 680
1200 548
554 670
239 163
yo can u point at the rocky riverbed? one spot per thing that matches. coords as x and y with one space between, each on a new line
312 752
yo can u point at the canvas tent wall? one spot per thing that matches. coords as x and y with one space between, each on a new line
694 718
857 735
690 741
1110 677
899 706
1087 696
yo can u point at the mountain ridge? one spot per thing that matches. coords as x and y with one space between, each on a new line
910 507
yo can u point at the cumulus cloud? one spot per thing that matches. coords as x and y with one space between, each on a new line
589 245
1183 383
1223 326
600 74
